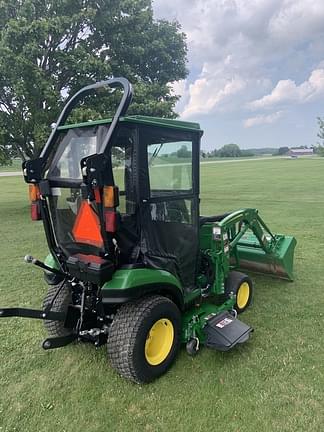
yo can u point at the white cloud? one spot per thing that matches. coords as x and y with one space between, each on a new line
286 91
262 119
209 92
239 48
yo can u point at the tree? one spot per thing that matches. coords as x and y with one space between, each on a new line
183 152
230 150
213 153
319 150
283 150
51 49
320 133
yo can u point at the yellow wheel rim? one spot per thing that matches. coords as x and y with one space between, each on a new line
243 295
159 341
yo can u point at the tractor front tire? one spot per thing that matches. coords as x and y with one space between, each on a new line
144 338
61 303
241 286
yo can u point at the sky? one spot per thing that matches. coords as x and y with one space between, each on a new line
256 69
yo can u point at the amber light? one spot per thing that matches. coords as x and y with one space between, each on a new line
34 193
110 196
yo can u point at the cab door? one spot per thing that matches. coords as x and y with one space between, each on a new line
169 183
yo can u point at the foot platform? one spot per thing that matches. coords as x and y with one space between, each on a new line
224 331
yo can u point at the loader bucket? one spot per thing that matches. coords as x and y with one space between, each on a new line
277 262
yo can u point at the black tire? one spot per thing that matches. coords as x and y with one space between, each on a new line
130 332
235 282
61 303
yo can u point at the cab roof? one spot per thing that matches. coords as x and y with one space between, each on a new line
144 120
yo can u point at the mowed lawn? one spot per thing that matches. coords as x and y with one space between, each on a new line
275 382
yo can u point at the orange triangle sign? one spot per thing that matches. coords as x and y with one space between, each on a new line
86 227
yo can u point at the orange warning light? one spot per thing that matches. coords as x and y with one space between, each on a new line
86 227
110 196
33 192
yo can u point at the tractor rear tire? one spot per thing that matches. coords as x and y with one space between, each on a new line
61 303
242 287
144 338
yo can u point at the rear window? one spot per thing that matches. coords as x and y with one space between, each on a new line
75 145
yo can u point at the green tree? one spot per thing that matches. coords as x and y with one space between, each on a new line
230 150
213 153
283 150
320 133
183 152
319 150
50 49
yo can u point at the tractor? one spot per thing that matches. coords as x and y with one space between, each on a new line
132 264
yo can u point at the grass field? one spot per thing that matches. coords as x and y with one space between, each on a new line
275 382
15 166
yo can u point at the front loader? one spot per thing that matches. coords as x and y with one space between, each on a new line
131 262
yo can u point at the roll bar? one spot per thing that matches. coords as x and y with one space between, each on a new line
85 91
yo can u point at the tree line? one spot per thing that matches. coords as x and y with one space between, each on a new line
228 150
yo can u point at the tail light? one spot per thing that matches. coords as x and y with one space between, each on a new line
111 221
34 193
34 197
110 198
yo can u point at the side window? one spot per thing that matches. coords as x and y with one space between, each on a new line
170 166
121 158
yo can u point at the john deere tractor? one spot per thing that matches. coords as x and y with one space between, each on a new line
132 263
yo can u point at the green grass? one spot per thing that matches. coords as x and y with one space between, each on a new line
15 166
275 382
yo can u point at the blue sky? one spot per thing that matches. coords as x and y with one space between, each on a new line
256 69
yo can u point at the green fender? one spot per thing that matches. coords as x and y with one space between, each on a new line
52 278
50 261
130 284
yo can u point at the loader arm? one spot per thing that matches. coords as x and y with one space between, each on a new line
253 246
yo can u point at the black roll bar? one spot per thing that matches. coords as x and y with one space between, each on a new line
85 91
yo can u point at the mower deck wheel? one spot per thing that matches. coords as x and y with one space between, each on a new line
61 303
241 285
144 338
192 347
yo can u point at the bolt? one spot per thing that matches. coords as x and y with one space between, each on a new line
47 344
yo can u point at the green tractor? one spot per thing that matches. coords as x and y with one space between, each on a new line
132 263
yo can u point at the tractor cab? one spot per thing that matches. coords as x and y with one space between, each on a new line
142 210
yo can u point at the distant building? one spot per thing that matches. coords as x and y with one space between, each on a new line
296 152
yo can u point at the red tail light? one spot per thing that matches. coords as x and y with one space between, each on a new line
110 221
35 211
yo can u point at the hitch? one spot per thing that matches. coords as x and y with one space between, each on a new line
32 313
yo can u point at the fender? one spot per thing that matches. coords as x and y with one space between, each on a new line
130 284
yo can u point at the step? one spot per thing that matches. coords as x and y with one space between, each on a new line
223 331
